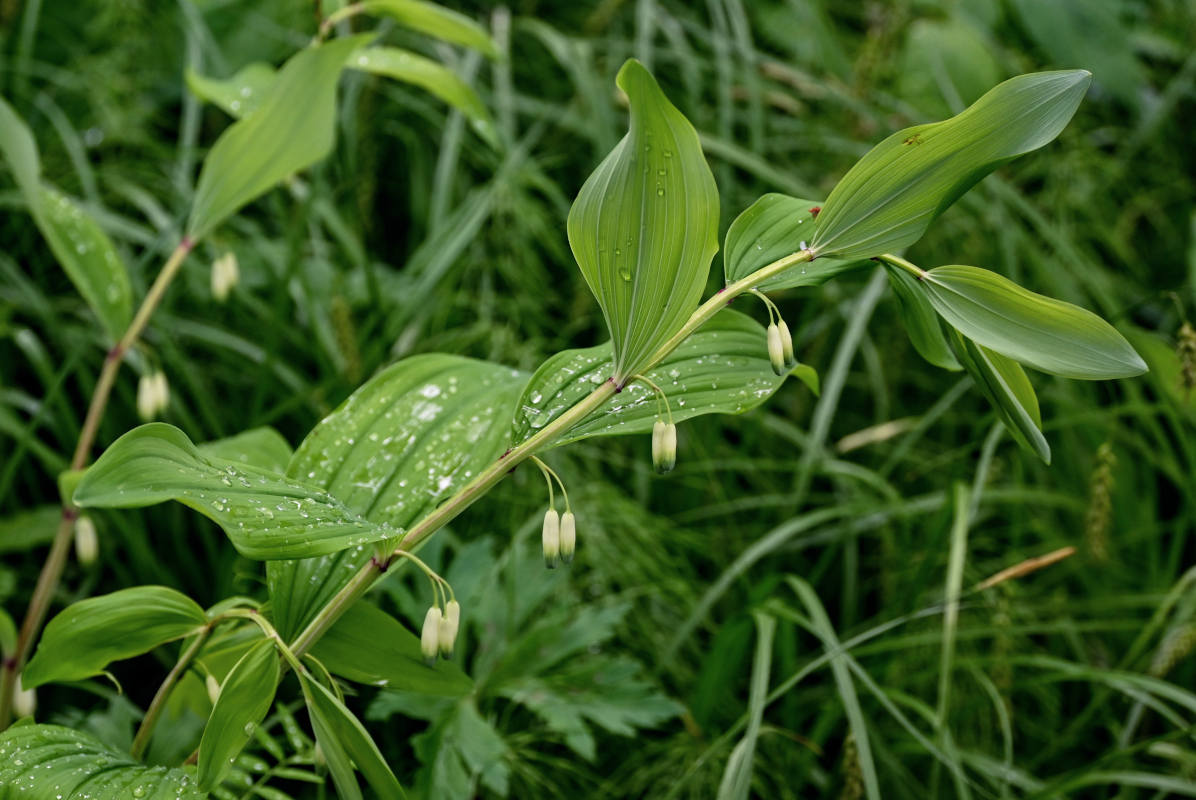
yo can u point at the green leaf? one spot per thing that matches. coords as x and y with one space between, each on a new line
401 444
462 749
87 636
610 693
771 228
258 447
292 128
809 376
245 697
435 20
81 247
367 645
888 199
19 149
1006 386
30 528
723 368
8 634
266 515
89 259
645 225
239 95
346 742
1166 369
433 76
1038 331
920 320
48 761
1095 34
946 63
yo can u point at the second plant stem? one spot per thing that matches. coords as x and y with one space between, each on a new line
51 573
487 478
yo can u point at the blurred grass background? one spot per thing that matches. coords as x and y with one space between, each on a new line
417 235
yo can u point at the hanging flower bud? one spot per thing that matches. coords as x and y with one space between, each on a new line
213 686
787 346
147 397
87 544
776 349
448 627
153 395
24 701
568 537
551 538
161 391
225 275
429 640
664 446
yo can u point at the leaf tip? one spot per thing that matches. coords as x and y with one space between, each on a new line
1136 364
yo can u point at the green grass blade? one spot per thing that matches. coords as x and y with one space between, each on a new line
843 681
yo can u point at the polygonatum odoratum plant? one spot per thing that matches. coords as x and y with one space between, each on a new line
430 435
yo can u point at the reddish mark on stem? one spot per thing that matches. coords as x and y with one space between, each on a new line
70 514
186 243
381 565
814 211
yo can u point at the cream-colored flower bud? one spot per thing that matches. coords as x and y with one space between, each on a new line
776 349
147 397
429 640
213 686
664 446
87 543
449 624
787 345
225 275
24 701
161 391
568 537
550 537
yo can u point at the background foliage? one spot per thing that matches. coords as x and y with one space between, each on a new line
419 234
